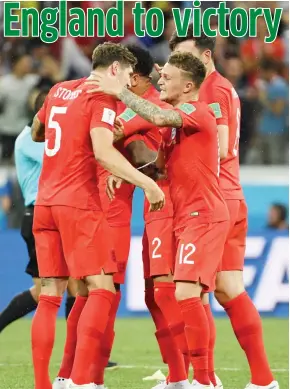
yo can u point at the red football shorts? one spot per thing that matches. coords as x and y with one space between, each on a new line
234 251
118 214
158 248
118 211
121 237
199 252
72 242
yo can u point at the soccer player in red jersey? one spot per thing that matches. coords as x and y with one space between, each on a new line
139 141
201 219
230 292
70 229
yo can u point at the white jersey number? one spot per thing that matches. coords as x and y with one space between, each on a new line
190 248
237 140
157 243
55 125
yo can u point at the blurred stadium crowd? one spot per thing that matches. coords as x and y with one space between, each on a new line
259 72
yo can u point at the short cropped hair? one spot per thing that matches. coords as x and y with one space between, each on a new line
145 62
106 53
193 68
202 42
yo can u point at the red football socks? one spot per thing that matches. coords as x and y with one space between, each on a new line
71 337
98 368
165 299
247 325
91 328
171 355
212 339
197 335
42 338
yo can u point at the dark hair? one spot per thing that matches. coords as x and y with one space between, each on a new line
269 64
282 210
39 100
202 42
193 68
145 61
15 58
106 53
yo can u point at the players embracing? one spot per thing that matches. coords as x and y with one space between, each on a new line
209 230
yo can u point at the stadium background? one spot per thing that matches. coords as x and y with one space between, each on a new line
264 149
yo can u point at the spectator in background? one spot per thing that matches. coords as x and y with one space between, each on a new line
5 199
234 72
277 217
14 91
160 50
272 135
254 49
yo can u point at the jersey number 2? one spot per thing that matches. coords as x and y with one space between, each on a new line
156 241
55 125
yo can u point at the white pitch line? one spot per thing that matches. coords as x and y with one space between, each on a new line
151 367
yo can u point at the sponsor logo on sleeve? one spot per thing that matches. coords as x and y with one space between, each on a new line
109 116
216 110
187 108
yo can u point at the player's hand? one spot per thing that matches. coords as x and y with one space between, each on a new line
155 196
113 183
118 130
106 83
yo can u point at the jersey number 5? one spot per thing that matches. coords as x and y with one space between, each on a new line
55 125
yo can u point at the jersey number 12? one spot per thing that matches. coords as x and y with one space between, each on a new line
52 123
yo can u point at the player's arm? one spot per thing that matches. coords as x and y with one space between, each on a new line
38 125
37 130
113 161
149 111
221 109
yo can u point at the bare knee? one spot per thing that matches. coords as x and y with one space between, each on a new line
165 278
229 285
53 286
101 281
187 290
73 287
81 288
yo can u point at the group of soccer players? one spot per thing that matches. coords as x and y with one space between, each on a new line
103 136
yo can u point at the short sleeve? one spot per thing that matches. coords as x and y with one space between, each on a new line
190 115
133 123
221 106
103 112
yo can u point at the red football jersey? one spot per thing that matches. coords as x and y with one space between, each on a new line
137 128
68 174
219 93
192 160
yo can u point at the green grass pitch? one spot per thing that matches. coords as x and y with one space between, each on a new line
136 351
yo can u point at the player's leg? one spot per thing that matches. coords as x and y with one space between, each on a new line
162 334
24 302
212 339
230 293
71 335
92 325
159 246
72 290
199 253
88 252
54 274
121 238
